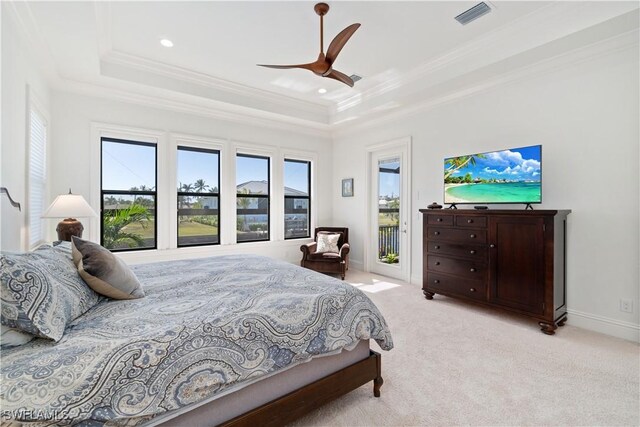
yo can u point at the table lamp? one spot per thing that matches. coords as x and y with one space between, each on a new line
69 206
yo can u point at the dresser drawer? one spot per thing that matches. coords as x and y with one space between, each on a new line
447 284
471 221
457 235
476 252
440 219
460 267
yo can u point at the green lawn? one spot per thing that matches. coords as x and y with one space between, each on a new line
145 232
189 228
186 228
387 219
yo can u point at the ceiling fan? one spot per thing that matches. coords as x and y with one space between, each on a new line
323 66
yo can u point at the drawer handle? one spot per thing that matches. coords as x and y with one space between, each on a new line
469 221
472 252
437 262
439 219
436 281
436 247
437 233
473 236
472 290
492 245
473 270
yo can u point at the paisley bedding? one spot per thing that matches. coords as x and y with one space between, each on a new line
204 326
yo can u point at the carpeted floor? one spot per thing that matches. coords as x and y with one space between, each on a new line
461 364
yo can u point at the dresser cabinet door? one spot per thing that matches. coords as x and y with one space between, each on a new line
516 259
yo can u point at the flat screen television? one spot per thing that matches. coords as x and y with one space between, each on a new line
506 176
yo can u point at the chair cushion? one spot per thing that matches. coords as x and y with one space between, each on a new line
324 257
331 255
328 242
104 272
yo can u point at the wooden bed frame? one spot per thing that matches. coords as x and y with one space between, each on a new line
305 399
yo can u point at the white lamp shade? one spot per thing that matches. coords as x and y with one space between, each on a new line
69 206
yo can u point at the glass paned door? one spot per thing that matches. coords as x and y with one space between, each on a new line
389 250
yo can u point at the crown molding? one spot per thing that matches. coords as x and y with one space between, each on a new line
110 55
482 51
204 80
628 40
201 108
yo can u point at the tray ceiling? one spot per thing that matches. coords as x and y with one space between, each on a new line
402 48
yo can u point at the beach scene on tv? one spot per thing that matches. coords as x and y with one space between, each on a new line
507 176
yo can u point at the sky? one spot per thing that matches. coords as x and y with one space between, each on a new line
127 165
389 183
514 164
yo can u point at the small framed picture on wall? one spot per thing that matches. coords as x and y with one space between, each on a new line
347 187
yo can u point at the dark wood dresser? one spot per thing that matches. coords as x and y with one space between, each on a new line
511 259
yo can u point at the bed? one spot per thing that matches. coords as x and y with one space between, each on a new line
218 341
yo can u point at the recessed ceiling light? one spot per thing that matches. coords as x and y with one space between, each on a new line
166 43
322 90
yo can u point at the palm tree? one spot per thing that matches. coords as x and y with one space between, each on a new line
199 186
116 220
455 163
186 188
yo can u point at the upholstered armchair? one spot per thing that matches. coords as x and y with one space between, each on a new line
327 262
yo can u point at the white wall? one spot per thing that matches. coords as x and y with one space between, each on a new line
72 118
19 71
586 118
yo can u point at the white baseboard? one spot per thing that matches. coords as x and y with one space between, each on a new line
416 279
358 265
617 328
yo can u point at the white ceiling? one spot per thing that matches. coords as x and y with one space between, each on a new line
226 40
217 44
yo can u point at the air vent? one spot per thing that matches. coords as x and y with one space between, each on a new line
355 77
474 13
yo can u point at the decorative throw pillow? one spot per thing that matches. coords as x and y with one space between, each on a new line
327 243
12 337
104 272
41 292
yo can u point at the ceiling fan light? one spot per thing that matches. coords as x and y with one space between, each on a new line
166 43
322 90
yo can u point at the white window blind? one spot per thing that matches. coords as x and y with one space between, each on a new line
37 176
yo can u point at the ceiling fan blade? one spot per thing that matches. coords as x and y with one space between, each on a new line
303 66
341 77
339 41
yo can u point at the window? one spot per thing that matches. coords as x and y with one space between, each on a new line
297 203
252 203
37 176
128 194
198 197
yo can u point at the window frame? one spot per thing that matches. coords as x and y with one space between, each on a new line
36 107
308 197
187 193
253 196
129 192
